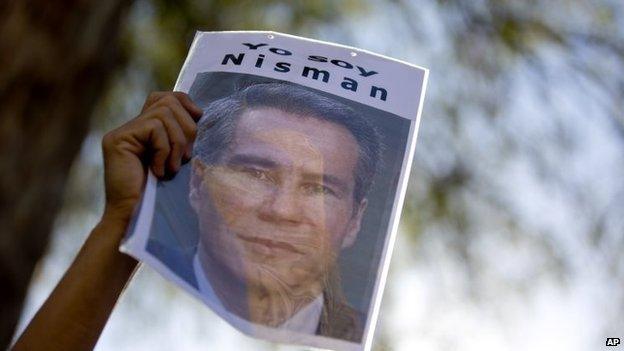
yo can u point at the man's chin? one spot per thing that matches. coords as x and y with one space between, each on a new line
271 277
268 274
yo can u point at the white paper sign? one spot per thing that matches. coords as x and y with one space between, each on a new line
284 220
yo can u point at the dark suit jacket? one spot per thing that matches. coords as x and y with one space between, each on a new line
338 319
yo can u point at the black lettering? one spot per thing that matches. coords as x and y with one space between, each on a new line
374 91
235 60
260 60
364 73
341 63
317 58
349 84
315 73
254 47
282 67
280 51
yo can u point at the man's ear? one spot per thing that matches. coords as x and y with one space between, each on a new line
198 169
355 223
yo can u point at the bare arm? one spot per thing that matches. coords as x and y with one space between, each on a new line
75 313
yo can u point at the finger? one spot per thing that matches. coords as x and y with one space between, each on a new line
152 98
188 125
186 122
159 143
195 111
177 139
184 119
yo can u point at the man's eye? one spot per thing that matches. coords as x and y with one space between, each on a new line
318 189
257 173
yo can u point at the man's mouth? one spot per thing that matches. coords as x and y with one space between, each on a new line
271 244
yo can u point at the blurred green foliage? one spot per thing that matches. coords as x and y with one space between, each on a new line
163 30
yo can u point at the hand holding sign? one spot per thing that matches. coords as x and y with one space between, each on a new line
159 138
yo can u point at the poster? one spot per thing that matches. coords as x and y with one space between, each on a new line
283 221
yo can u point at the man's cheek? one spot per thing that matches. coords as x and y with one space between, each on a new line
336 223
232 203
319 251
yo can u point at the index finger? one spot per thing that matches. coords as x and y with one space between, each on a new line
189 105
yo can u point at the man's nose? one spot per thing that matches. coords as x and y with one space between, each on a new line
283 205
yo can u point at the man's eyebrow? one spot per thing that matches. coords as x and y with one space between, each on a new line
244 159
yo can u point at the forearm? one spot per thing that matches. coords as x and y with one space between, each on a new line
74 315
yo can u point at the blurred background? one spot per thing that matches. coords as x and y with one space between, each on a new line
512 231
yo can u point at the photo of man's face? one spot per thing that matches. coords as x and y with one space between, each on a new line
266 223
278 221
278 206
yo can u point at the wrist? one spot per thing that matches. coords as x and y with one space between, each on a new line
117 215
109 232
114 221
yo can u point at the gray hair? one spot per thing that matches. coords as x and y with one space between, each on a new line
215 130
